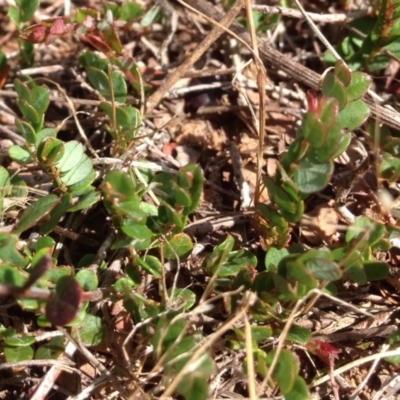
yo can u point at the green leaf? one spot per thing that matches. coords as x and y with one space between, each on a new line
273 257
27 9
11 276
118 185
194 387
101 82
150 17
86 200
332 87
56 213
359 85
91 330
179 245
376 270
137 231
13 14
54 274
323 269
73 154
344 144
36 211
29 112
21 341
169 216
26 131
119 87
4 180
78 173
310 177
130 11
41 98
15 354
219 256
134 273
193 176
301 274
183 299
259 333
353 115
329 112
299 390
8 250
82 188
279 196
50 150
285 371
45 242
298 334
150 264
123 284
331 146
342 72
29 304
356 272
271 216
19 154
364 227
313 130
344 257
51 350
22 90
87 280
44 133
389 167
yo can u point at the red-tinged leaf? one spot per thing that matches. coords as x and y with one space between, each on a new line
63 306
35 34
59 28
98 42
314 103
3 75
325 351
112 39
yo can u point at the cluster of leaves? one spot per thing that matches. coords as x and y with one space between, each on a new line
154 232
56 293
307 166
372 40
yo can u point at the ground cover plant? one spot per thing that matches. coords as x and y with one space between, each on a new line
199 200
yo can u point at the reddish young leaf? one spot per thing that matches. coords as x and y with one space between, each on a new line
59 28
314 103
97 41
35 33
325 351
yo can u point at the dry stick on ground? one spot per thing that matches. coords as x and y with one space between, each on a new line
171 79
294 69
261 82
328 18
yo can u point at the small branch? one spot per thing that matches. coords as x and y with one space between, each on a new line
44 294
328 18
